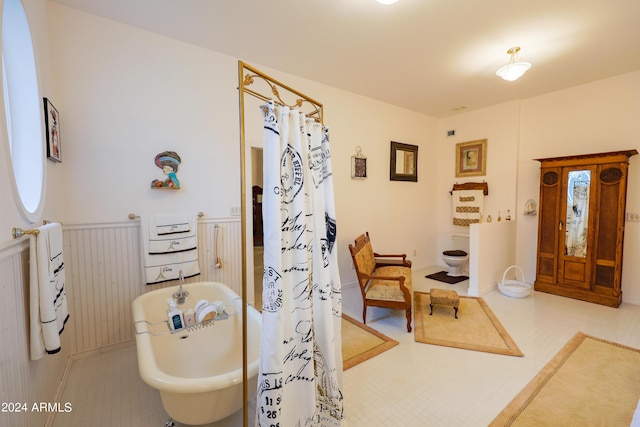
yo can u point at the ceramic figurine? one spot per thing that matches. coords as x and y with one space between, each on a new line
488 218
508 218
168 161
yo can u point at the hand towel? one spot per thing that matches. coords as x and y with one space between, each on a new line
48 299
172 233
169 245
467 206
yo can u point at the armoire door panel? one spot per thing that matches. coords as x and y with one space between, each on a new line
575 273
605 276
547 267
548 230
577 212
609 218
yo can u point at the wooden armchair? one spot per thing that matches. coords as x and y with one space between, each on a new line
385 280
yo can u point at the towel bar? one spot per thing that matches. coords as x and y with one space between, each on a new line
19 232
471 186
133 216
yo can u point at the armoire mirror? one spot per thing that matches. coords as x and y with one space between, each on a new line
577 218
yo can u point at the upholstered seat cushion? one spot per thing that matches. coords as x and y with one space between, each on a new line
444 297
389 290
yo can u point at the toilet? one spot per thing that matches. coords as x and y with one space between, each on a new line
456 260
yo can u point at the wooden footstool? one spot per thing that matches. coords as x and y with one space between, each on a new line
444 297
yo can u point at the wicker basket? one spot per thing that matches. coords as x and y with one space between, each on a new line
513 287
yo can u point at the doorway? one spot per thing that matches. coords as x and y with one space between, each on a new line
258 243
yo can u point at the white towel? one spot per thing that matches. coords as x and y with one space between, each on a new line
172 233
169 245
467 206
48 299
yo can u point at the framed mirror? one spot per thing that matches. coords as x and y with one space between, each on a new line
404 162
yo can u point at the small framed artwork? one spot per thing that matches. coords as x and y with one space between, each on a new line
403 165
471 158
52 125
358 165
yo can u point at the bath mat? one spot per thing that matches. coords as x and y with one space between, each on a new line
590 381
476 327
442 277
360 342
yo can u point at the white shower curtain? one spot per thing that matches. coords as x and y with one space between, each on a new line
300 378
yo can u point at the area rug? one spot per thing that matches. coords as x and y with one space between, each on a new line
360 342
476 327
442 276
590 381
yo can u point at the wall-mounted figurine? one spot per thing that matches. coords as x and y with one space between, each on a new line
168 161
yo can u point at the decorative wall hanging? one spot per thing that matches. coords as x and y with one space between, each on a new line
404 162
358 165
52 124
471 158
530 207
168 161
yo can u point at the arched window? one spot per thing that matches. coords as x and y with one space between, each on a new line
23 108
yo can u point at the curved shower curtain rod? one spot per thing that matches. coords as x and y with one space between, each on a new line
247 80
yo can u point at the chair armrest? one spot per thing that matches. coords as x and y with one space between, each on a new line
389 262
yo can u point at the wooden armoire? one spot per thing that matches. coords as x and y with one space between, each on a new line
581 226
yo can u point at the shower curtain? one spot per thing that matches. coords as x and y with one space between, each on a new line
300 377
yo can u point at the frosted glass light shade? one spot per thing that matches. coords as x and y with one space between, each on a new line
386 1
513 71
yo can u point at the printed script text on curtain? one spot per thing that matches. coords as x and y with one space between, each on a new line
299 382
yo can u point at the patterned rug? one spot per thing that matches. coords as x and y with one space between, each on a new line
476 327
360 342
442 276
590 381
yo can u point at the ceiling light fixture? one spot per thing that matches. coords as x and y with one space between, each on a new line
386 1
515 68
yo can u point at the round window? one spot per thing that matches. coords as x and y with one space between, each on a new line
23 109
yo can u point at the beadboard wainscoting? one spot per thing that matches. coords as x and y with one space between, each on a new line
103 269
23 382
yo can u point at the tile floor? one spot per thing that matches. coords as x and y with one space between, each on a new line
413 384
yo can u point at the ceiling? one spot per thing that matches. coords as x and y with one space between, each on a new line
437 57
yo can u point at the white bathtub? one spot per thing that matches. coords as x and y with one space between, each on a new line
198 372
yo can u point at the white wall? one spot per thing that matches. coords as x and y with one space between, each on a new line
126 95
500 126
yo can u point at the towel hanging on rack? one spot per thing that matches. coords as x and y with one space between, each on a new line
467 207
48 299
169 245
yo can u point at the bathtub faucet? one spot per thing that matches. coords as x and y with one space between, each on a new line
181 295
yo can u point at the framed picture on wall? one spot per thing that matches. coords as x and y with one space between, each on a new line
471 158
52 125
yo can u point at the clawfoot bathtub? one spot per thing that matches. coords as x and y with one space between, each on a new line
197 370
